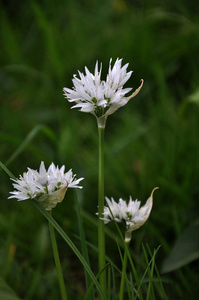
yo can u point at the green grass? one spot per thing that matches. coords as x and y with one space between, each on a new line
152 141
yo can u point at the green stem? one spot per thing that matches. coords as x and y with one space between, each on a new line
57 262
101 234
124 271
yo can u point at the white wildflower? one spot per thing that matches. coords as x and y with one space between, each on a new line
46 186
131 213
99 97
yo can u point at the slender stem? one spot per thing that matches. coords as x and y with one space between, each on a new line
101 234
123 271
57 262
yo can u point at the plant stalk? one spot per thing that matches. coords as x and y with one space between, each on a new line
57 262
124 271
101 234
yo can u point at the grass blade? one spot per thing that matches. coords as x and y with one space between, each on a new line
29 138
150 289
70 244
83 245
98 275
158 275
7 171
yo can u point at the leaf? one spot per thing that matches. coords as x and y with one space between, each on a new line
7 171
185 250
84 247
31 135
70 244
6 293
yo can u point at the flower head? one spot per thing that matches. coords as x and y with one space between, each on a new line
131 213
46 186
99 97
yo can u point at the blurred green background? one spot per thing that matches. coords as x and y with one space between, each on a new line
152 141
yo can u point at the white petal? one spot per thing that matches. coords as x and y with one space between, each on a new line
90 91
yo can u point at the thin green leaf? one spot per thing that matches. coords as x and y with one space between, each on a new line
128 283
91 286
144 275
109 283
158 275
7 171
132 286
95 249
128 288
70 244
139 292
114 284
29 138
83 245
23 145
150 289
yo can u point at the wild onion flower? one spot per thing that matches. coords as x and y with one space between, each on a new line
101 98
46 186
131 213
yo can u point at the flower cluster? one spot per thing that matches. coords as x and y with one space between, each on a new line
46 186
99 97
131 213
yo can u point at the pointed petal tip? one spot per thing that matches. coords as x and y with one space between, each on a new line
137 90
151 197
156 188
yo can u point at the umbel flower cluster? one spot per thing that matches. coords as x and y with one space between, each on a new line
46 186
101 97
131 213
